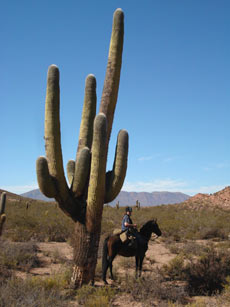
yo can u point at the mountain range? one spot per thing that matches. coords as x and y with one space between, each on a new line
130 198
220 199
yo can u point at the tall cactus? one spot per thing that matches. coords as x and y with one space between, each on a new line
2 211
89 184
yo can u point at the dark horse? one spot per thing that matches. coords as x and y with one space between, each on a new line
114 246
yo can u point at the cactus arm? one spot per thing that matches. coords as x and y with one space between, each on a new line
45 181
116 177
2 210
2 221
53 134
48 187
85 136
70 171
112 78
88 114
3 203
97 174
81 171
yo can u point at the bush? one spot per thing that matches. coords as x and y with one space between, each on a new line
4 274
189 249
90 296
175 269
31 293
224 298
151 287
44 221
22 256
41 222
207 276
211 233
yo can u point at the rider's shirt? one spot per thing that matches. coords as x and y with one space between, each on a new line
126 219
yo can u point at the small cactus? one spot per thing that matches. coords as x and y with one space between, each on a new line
117 205
2 211
138 205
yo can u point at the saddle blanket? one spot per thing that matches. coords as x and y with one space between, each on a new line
123 235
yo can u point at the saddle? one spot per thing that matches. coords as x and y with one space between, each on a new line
129 239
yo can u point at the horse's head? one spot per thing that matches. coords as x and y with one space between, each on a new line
150 227
155 228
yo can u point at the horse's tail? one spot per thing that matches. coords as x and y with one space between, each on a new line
105 257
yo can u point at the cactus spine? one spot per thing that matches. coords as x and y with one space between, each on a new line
89 184
2 211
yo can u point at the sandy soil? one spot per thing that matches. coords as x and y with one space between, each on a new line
53 256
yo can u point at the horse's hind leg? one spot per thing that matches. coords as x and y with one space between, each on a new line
105 262
104 269
111 266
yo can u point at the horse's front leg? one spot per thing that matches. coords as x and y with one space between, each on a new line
140 266
137 265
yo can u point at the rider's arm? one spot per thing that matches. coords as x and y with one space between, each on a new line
130 225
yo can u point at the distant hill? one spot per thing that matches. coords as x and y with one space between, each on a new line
130 198
220 199
149 199
15 197
36 194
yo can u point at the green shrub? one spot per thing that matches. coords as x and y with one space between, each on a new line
102 297
207 275
21 256
57 281
189 249
41 222
5 274
151 287
209 233
91 296
224 298
28 293
175 269
44 221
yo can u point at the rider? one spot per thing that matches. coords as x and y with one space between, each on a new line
127 224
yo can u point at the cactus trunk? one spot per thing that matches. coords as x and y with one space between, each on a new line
89 184
85 255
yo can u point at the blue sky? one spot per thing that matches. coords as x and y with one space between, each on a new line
174 96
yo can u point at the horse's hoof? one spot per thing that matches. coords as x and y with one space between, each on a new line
105 282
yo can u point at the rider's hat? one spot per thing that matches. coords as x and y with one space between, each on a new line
128 209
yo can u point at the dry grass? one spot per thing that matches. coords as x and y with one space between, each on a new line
20 256
44 222
152 287
31 292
